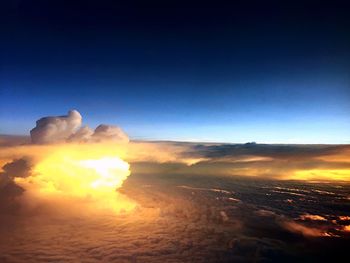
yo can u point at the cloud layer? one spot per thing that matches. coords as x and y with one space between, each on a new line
195 202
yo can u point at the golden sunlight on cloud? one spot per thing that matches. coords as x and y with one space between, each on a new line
304 230
346 228
312 217
79 174
344 218
323 174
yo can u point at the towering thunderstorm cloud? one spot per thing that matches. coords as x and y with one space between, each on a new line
73 167
68 128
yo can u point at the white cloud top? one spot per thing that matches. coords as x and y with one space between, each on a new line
68 128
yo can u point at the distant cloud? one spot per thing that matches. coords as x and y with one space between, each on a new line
307 217
12 140
303 230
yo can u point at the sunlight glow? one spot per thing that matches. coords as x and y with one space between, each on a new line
323 174
77 175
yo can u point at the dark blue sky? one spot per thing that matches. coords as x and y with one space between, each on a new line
268 72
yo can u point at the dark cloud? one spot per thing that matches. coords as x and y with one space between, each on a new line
8 188
263 160
17 168
266 150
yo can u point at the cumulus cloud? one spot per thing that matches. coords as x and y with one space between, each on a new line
54 129
82 135
102 133
67 128
108 132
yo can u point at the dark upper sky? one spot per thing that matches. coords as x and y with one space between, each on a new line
245 71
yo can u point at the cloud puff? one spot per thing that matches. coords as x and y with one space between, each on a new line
54 129
68 128
82 135
108 132
102 133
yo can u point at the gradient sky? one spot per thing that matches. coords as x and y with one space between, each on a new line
264 72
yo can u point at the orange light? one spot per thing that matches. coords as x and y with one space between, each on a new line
79 174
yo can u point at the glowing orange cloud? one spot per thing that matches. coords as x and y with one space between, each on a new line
304 230
323 174
80 173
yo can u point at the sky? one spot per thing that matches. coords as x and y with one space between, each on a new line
268 72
